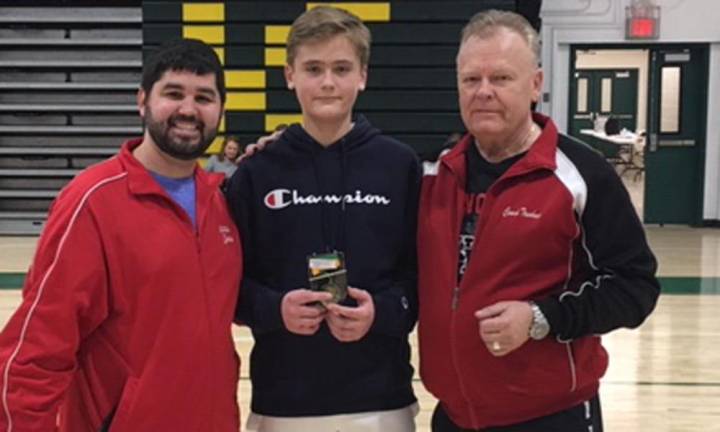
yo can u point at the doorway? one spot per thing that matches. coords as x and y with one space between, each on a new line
658 97
604 93
675 153
613 83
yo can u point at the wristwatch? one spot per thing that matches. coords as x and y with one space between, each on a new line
539 328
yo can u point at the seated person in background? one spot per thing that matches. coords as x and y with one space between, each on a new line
224 162
612 126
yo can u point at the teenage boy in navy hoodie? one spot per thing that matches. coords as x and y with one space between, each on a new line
331 185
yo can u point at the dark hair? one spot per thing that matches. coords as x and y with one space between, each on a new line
612 126
190 55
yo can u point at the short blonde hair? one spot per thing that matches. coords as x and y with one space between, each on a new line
486 24
322 23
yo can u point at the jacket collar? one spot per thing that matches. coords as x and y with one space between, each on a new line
140 182
541 154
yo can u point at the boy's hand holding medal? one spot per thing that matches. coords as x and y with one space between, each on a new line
300 313
304 310
347 323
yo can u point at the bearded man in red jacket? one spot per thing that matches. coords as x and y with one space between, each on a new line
127 309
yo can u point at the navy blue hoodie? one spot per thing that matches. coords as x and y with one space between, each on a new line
360 196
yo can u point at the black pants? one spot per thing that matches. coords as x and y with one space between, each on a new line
585 417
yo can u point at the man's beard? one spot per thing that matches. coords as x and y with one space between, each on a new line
177 147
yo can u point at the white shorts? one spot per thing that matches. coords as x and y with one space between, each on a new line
399 420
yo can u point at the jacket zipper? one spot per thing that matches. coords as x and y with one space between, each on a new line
454 305
463 390
455 297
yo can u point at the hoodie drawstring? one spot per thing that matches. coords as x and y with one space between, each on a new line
324 222
329 238
343 190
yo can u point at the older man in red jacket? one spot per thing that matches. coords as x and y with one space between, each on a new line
529 249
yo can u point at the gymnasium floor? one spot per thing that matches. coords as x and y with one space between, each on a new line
664 376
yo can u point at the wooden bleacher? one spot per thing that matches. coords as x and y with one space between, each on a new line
68 78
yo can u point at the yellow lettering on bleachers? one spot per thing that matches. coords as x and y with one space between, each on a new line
220 51
213 35
203 12
378 12
245 101
274 56
276 34
242 79
216 145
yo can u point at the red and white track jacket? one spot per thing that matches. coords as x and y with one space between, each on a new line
557 228
127 310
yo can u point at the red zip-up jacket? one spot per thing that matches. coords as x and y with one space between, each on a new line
557 228
126 313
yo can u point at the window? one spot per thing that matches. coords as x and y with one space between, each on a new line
606 95
582 95
670 99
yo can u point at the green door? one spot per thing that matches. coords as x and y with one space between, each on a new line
674 153
605 92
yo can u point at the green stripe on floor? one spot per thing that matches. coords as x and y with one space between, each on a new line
670 285
11 280
690 285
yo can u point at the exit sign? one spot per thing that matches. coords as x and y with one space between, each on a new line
642 28
642 22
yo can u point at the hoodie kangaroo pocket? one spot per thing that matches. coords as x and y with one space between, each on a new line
120 421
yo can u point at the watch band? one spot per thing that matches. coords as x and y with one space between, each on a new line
540 327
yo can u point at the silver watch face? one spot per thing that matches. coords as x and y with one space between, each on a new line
540 327
539 330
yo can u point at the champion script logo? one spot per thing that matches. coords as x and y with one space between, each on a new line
522 212
278 199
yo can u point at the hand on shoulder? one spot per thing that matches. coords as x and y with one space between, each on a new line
259 145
